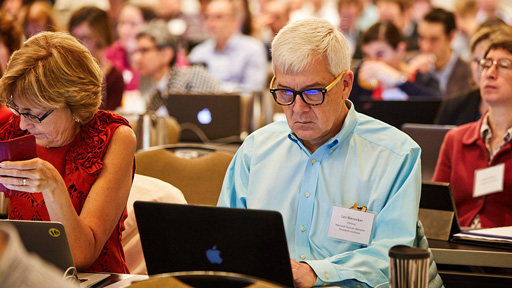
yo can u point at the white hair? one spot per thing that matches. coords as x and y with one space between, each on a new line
302 41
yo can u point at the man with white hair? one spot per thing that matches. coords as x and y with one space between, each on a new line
347 185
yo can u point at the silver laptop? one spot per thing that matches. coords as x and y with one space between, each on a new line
178 238
207 117
429 137
48 240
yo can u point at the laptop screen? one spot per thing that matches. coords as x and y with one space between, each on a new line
205 117
178 238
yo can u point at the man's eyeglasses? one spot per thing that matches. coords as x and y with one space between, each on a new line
30 117
312 97
503 65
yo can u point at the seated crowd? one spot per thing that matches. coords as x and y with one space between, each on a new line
73 87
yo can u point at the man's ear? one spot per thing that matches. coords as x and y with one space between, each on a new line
347 81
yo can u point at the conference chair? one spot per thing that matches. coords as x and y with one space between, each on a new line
144 188
196 169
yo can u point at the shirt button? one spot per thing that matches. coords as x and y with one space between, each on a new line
324 284
358 286
307 194
302 257
332 150
313 161
327 275
302 228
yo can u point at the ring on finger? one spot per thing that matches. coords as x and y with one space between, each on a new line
24 182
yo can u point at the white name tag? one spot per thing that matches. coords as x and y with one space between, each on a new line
351 225
489 180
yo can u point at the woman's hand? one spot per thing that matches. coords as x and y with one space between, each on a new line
34 175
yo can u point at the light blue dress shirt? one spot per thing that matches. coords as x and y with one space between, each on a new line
242 67
368 162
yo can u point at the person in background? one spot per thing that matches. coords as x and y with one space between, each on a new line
350 11
321 161
465 18
317 8
383 73
91 26
436 31
275 14
85 157
399 12
238 61
38 16
155 58
11 37
12 8
474 150
132 18
469 107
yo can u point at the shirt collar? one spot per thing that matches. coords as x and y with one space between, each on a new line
346 129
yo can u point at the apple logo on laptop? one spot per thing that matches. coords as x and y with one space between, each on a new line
204 116
213 255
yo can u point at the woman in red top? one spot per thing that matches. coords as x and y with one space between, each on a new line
485 144
82 175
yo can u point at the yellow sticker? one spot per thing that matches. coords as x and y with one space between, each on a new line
54 232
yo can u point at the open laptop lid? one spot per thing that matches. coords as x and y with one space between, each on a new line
429 137
396 113
215 116
178 237
437 211
48 240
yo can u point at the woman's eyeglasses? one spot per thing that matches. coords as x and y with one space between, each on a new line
30 117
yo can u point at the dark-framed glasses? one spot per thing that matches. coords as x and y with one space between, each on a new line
312 96
503 64
30 117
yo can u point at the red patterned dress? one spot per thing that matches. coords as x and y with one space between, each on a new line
79 163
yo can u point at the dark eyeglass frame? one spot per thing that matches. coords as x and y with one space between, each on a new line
30 117
487 63
274 91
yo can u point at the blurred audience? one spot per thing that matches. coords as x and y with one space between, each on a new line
131 19
238 61
155 57
472 152
12 7
91 26
435 32
383 73
275 14
317 8
469 107
11 37
399 12
349 14
178 24
38 16
465 20
369 15
491 8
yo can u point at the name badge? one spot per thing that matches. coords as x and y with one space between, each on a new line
351 225
489 180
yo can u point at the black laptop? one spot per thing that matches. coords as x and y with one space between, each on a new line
437 211
415 110
430 138
177 238
207 117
